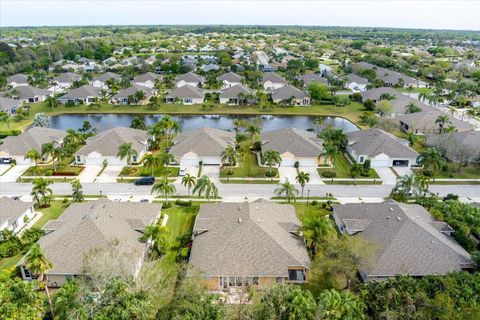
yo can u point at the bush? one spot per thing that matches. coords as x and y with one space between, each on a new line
257 146
450 196
270 174
427 173
296 165
314 202
183 203
369 105
166 205
329 174
357 97
4 134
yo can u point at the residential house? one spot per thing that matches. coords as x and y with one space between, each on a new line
86 94
101 80
238 94
104 146
87 228
378 94
290 95
15 147
262 61
400 103
66 80
17 80
355 83
310 78
204 144
272 81
128 95
229 79
294 145
255 244
424 122
406 238
30 94
458 146
189 78
186 94
147 79
389 77
383 149
210 67
9 106
15 214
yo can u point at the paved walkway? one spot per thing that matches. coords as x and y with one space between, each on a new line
403 171
110 174
13 174
314 176
386 174
89 174
289 173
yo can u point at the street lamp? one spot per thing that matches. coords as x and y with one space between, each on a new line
308 195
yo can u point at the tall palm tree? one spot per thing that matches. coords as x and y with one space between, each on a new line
230 155
47 150
37 263
316 228
58 153
151 162
170 126
422 183
239 124
205 186
125 151
41 190
431 159
138 123
318 121
441 121
331 151
271 157
189 182
252 129
52 102
162 241
33 155
406 185
302 178
72 138
156 131
165 188
288 189
355 170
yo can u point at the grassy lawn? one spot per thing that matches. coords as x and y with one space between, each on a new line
7 266
248 168
181 219
351 112
342 168
140 171
273 181
63 168
351 182
53 212
468 172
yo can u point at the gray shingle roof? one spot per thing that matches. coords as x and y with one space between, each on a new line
32 138
26 92
287 92
387 75
190 77
82 92
12 209
92 225
468 139
67 77
407 238
107 142
234 91
425 120
149 76
18 78
107 76
354 78
373 142
312 77
125 93
375 93
230 77
247 239
186 91
298 142
273 77
401 101
207 142
7 104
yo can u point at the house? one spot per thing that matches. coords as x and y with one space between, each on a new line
378 94
310 78
30 94
15 214
272 81
204 144
383 149
186 94
255 244
294 145
15 147
189 78
66 80
457 146
424 122
229 79
400 103
237 94
210 67
207 48
290 95
89 227
262 62
407 239
147 79
101 80
9 106
17 80
85 94
355 83
389 77
103 147
124 96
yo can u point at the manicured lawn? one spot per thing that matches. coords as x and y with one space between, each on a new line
350 182
248 168
140 171
53 212
181 219
469 172
272 181
342 168
62 168
7 266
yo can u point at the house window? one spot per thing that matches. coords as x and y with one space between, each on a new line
78 159
361 159
296 275
255 281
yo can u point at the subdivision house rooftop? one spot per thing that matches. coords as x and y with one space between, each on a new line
468 139
273 77
375 93
311 78
32 138
373 142
7 104
82 92
149 76
230 77
256 239
190 77
186 91
407 239
67 77
287 92
203 142
355 78
107 142
107 76
17 78
401 101
12 209
130 91
234 91
298 142
25 92
87 226
387 75
425 120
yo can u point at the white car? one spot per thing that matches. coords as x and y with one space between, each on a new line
182 171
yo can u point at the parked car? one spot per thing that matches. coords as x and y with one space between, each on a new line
5 160
145 181
182 172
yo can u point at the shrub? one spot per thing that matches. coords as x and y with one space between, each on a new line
427 173
296 165
270 174
166 205
329 174
183 203
257 146
314 202
4 134
450 196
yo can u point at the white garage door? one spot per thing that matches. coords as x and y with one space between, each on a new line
94 161
287 162
380 163
307 163
211 160
188 162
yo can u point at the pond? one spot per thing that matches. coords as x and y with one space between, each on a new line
188 122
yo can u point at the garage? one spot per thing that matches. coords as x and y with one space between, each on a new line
400 163
379 163
287 162
189 159
307 162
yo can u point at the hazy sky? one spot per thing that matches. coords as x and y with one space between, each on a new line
381 13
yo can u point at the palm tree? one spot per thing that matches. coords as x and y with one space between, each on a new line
4 117
189 182
406 185
431 159
164 187
125 151
151 162
331 151
412 108
441 121
205 186
52 102
252 129
239 124
57 154
41 189
170 126
422 183
72 138
302 178
412 138
230 155
316 228
471 112
37 263
47 151
422 96
288 189
138 123
355 170
33 155
156 132
162 240
271 157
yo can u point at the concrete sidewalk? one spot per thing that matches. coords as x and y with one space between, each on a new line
14 173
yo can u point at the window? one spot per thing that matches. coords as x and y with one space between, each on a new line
255 281
296 275
361 159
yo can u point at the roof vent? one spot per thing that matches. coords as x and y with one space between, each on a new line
239 208
391 209
399 219
110 215
388 217
239 220
258 220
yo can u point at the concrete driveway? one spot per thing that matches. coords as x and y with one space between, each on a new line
387 175
13 174
403 171
289 173
89 174
213 172
314 176
110 174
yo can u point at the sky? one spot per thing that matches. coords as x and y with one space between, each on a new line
426 14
